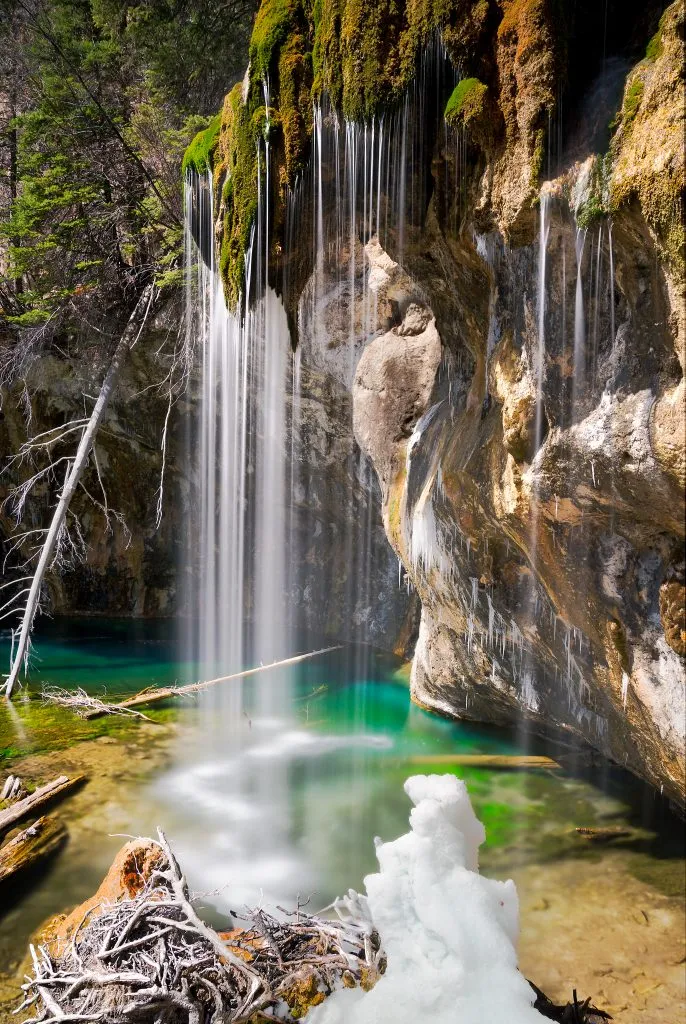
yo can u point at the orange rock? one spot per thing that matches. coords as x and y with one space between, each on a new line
673 615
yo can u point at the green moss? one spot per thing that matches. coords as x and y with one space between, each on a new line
466 102
361 55
199 154
236 167
30 726
654 47
596 202
632 101
538 157
273 24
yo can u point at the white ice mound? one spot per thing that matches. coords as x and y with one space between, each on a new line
450 934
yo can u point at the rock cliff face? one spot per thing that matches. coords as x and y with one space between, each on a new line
518 384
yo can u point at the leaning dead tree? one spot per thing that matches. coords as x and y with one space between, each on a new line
151 958
74 471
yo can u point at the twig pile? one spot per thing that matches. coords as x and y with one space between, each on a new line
151 959
84 704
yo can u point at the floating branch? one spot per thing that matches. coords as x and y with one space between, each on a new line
92 707
501 761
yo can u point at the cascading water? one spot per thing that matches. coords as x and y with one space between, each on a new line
289 546
238 532
271 573
579 322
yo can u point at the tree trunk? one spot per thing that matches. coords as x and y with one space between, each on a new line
130 335
37 842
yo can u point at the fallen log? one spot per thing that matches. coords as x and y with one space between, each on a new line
43 796
499 761
27 849
154 695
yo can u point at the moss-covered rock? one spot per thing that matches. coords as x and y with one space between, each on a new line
199 155
647 149
235 170
590 197
362 57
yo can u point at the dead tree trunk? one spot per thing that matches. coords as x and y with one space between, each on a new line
129 337
47 794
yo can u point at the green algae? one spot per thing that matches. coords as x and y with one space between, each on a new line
32 726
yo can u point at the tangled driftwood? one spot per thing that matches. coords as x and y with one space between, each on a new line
150 958
142 954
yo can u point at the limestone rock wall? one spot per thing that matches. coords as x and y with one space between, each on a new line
536 495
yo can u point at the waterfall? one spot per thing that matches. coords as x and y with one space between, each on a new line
241 438
579 324
237 550
544 229
286 550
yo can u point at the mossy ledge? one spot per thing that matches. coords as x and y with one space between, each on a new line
466 102
360 56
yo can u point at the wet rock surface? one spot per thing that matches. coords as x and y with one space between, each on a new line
531 475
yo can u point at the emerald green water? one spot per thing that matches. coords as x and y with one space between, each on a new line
274 789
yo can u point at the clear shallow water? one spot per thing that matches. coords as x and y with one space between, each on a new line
274 789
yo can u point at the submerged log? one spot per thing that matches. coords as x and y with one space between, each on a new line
571 1013
154 695
500 761
43 796
602 835
37 842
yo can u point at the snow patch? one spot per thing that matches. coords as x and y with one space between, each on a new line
450 934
